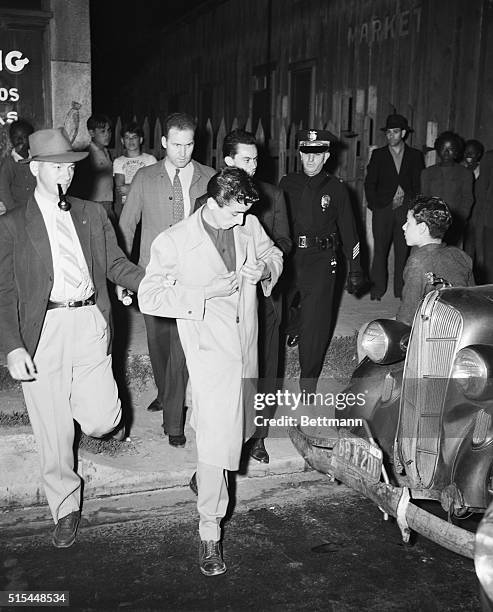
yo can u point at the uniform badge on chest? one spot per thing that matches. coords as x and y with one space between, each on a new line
325 202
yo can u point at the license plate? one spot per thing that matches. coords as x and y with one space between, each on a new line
358 456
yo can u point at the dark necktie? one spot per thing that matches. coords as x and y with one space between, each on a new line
178 207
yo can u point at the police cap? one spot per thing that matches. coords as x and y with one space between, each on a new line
314 141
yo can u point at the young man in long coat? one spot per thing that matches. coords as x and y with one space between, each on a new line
203 272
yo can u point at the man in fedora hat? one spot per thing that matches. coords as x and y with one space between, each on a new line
392 181
56 254
322 219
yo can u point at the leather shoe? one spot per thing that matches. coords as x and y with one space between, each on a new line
193 484
375 297
177 441
119 435
258 452
66 530
211 558
155 406
293 340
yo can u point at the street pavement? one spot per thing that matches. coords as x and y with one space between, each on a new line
146 462
293 542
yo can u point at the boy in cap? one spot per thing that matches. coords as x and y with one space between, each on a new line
322 218
392 181
56 254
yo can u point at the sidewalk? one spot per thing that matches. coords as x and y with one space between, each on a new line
149 462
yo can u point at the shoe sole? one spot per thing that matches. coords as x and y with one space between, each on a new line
67 545
260 460
215 572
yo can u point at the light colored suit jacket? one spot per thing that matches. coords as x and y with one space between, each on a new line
150 200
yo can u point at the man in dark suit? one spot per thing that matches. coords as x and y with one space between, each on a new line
240 151
483 215
160 196
392 181
55 324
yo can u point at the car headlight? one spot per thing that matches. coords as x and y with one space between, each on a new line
385 340
472 371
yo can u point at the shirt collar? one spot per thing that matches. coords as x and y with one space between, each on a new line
399 151
171 169
46 205
15 156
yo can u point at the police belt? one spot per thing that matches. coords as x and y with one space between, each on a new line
72 303
323 244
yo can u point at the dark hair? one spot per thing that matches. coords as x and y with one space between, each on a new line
179 121
476 144
232 184
132 127
21 124
452 137
98 121
434 212
234 138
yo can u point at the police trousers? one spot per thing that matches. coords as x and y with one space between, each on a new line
315 279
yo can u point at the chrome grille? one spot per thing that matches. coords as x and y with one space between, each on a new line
430 356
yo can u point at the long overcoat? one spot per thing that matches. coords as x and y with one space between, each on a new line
219 335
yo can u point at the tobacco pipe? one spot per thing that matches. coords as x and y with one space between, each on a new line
63 204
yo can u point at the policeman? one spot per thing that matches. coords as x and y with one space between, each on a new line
322 219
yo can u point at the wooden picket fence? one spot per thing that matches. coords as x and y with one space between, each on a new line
282 149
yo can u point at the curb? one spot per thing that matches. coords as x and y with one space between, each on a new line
20 482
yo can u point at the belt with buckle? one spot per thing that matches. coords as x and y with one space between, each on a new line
72 303
306 242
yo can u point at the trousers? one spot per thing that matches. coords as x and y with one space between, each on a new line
315 280
212 500
269 320
74 382
387 229
169 370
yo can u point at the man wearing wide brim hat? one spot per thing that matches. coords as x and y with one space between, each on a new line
56 255
322 221
392 181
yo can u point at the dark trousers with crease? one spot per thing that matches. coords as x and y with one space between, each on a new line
268 356
169 369
387 228
315 280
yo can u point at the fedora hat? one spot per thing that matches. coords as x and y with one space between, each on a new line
396 121
52 145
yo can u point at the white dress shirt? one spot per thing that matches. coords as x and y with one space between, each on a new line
61 290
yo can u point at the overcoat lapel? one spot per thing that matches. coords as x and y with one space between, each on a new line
391 163
405 161
38 234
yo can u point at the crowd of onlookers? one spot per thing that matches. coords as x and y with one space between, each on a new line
457 177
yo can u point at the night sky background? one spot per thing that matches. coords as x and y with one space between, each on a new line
124 33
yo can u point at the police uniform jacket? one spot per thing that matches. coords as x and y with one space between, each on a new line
305 196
